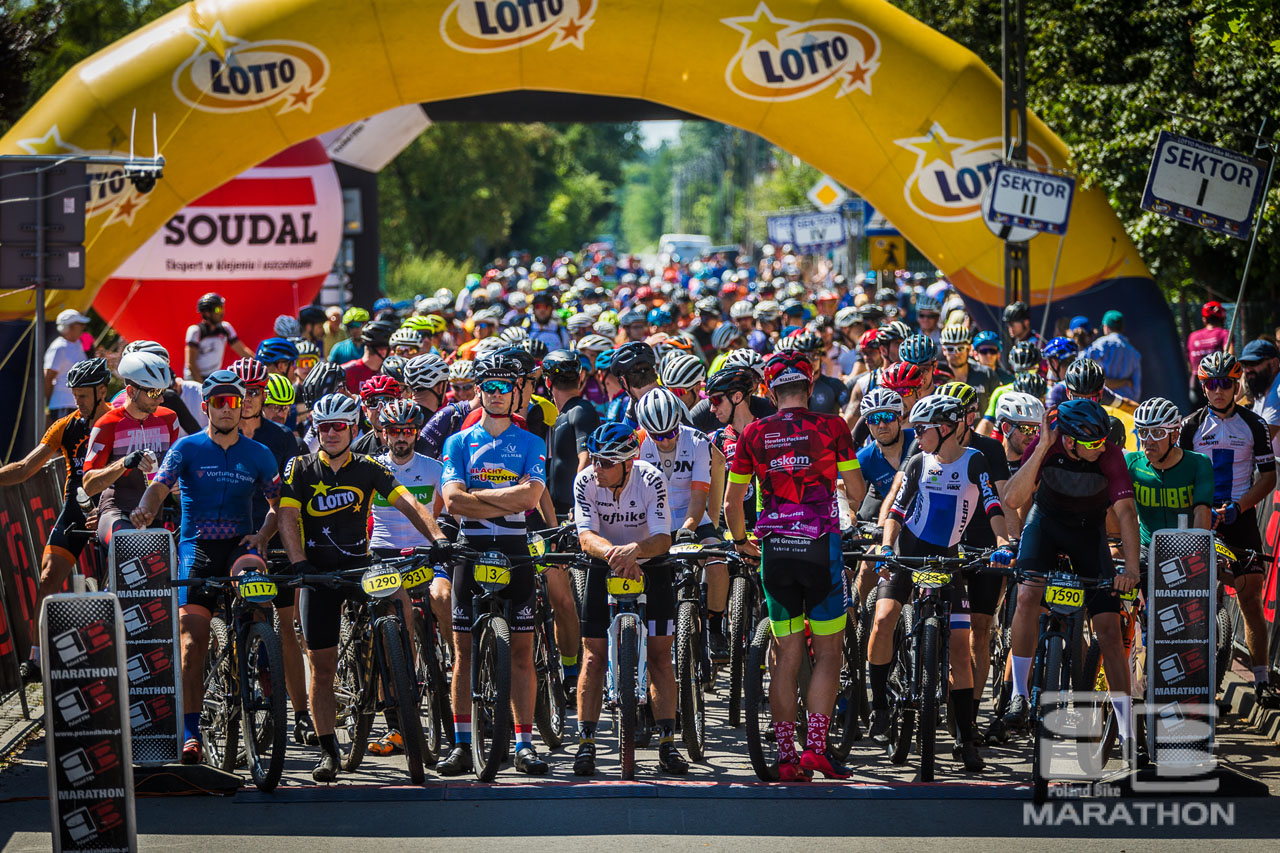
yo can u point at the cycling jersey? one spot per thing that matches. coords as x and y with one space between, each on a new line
216 485
1162 495
441 425
421 476
939 499
796 455
638 512
334 505
355 372
876 469
620 411
70 436
685 469
552 333
1077 487
1235 445
979 532
760 342
726 440
116 435
994 401
479 460
828 395
702 418
567 439
211 345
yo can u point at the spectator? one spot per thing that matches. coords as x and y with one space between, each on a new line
350 349
333 331
207 341
1121 362
1201 342
1261 363
1080 330
63 353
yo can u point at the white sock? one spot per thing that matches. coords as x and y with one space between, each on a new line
1123 706
1021 669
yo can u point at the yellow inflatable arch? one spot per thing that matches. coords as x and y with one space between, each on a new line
885 105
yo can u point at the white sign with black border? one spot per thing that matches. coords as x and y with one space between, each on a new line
1025 198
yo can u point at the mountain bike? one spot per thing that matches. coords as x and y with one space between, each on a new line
431 668
552 703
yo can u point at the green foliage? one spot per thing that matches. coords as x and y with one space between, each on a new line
425 274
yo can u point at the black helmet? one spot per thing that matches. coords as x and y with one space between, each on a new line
86 374
210 301
1025 355
562 363
886 294
378 333
536 347
1030 382
633 356
726 380
1016 311
1085 377
325 378
523 360
1083 420
393 366
311 314
499 365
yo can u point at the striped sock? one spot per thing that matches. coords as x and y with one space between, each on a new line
586 732
524 737
462 729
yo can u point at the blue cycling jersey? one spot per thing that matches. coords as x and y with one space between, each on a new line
876 469
621 411
479 460
217 486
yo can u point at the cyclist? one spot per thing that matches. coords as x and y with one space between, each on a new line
956 349
684 375
542 325
280 355
797 456
636 366
327 378
928 518
376 338
207 341
889 338
829 394
928 313
986 351
1018 418
880 459
1083 379
494 474
921 351
1238 443
462 385
871 356
1059 353
70 436
702 415
1070 476
904 379
217 475
427 377
278 404
323 523
407 341
1168 481
766 314
1024 357
1017 321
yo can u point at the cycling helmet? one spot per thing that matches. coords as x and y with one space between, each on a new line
846 317
425 371
767 310
307 348
521 359
886 294
984 339
660 317
221 382
615 442
146 370
325 378
809 341
659 411
604 361
335 407
579 322
1083 420
276 349
253 372
379 385
594 344
966 394
1085 377
738 310
786 343
462 370
746 357
435 324
210 302
708 305
1213 311
918 349
1030 382
393 366
88 373
497 365
1117 437
791 305
515 335
562 363
1219 365
1016 407
1157 412
417 323
732 378
488 346
378 333
937 409
783 368
604 329
407 336
880 399
536 347
310 315
1025 355
927 304
955 335
724 336
870 338
631 317
1061 348
895 331
146 346
1015 311
401 413
902 376
633 356
682 371
280 391
870 313
355 316
286 326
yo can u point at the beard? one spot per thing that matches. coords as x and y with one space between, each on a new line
1258 383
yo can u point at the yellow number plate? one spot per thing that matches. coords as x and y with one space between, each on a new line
380 584
684 550
1064 595
417 577
485 573
1223 550
624 586
1131 595
257 590
930 579
537 546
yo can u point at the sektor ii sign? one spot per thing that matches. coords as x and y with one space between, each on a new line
487 26
781 60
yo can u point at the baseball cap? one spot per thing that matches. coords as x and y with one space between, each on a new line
1112 318
69 316
1259 351
1079 322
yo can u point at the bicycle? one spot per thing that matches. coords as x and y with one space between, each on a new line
745 610
243 679
374 651
435 709
1225 636
552 702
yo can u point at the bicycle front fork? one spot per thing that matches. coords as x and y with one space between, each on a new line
641 641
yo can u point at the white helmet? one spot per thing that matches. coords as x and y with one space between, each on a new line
146 370
767 310
881 399
515 335
605 329
578 322
746 357
287 327
660 411
461 370
444 293
1157 412
336 407
846 317
925 302
955 335
681 370
1015 407
489 344
406 336
146 346
425 371
725 334
738 310
594 344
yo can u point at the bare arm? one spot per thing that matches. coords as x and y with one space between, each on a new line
97 480
152 498
1022 485
715 500
241 349
460 503
291 534
855 488
1127 513
547 508
1203 518
193 351
1261 488
25 469
521 497
697 507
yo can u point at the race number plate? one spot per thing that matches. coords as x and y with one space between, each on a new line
930 580
618 586
379 582
537 546
685 550
495 575
417 577
256 588
1064 596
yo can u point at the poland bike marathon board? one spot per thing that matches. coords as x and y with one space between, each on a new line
1201 184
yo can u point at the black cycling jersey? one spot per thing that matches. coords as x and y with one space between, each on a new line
567 439
828 396
171 399
979 532
704 419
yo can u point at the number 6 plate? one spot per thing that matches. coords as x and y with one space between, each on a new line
624 586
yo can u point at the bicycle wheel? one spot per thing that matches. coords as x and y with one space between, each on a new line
551 703
852 686
219 728
628 673
902 725
1001 648
353 715
930 667
400 694
262 695
1049 674
693 719
739 641
430 686
763 754
1222 645
491 699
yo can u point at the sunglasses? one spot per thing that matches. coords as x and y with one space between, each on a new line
924 315
1152 433
882 418
308 362
949 348
604 463
152 395
379 401
482 326
254 392
985 351
1090 445
224 401
664 436
334 426
462 387
1029 430
716 399
406 431
1218 384
497 386
405 349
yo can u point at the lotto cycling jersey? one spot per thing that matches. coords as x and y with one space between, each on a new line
686 469
421 476
796 455
217 485
939 499
334 505
567 439
116 435
1163 495
1077 487
638 512
479 460
70 436
1235 445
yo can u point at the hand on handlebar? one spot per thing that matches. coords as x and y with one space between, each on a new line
1002 557
882 567
622 561
748 548
1125 581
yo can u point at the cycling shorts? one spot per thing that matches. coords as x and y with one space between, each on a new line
804 577
62 541
900 586
1083 540
984 592
210 558
1241 536
520 592
659 595
111 521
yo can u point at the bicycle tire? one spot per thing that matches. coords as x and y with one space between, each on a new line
1223 652
739 642
930 665
1095 749
1050 673
628 673
491 699
262 704
851 685
354 715
428 689
756 698
218 727
551 703
902 714
693 719
400 694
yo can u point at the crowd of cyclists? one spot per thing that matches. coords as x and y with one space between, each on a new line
709 402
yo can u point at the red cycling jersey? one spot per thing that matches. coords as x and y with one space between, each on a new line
116 435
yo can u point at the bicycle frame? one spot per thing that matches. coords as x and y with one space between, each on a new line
619 607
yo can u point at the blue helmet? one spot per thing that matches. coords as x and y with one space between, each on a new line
615 442
276 349
1083 420
660 317
986 339
1061 348
918 349
604 361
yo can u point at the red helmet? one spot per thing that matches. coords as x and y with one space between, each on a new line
252 372
902 376
1213 311
870 338
790 366
380 385
644 292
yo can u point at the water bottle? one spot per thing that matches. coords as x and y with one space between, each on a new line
83 499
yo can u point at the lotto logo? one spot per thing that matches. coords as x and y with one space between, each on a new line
78 703
77 644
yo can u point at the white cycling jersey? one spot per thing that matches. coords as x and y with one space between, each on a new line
421 476
638 512
684 469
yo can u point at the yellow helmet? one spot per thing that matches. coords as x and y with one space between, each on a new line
355 315
435 324
279 390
